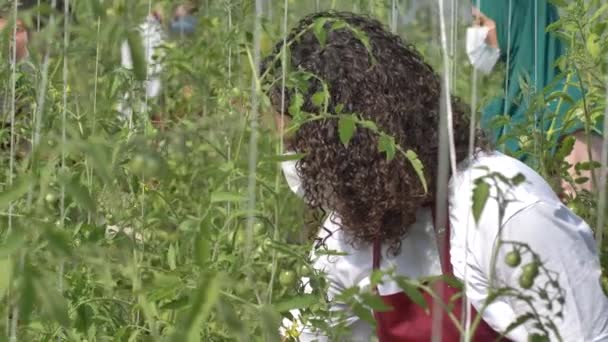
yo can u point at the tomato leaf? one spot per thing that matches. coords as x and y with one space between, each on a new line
295 108
318 99
320 32
418 167
481 192
15 191
374 302
412 292
5 276
226 197
387 144
138 59
297 302
346 129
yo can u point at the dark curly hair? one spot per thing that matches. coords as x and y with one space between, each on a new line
387 82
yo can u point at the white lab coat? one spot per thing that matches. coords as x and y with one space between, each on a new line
536 217
152 37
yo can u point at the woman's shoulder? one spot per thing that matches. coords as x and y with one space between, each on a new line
499 180
496 168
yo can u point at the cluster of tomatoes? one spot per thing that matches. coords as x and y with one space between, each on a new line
529 270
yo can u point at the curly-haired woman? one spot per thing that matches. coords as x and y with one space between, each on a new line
381 217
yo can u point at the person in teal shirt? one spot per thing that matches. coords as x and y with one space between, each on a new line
514 32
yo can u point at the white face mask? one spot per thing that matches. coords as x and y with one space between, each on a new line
483 57
291 175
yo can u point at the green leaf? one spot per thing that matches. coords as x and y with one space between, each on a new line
346 129
587 166
97 9
481 192
597 13
137 55
363 312
206 296
412 292
560 95
387 144
554 26
369 125
84 317
518 179
376 278
450 280
374 302
27 291
418 167
338 24
318 99
11 244
518 322
295 108
283 158
229 316
79 193
53 303
339 108
177 304
59 239
5 276
320 32
226 197
536 337
19 188
202 246
270 320
593 45
210 297
297 302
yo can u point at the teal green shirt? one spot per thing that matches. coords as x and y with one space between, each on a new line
530 54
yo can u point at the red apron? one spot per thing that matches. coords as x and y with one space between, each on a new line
409 322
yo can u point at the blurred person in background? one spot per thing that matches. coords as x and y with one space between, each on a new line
517 36
17 47
182 23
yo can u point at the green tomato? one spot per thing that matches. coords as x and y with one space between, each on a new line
287 278
50 198
577 208
526 281
240 237
138 164
152 165
267 244
259 251
259 229
305 271
241 289
268 268
531 270
513 258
